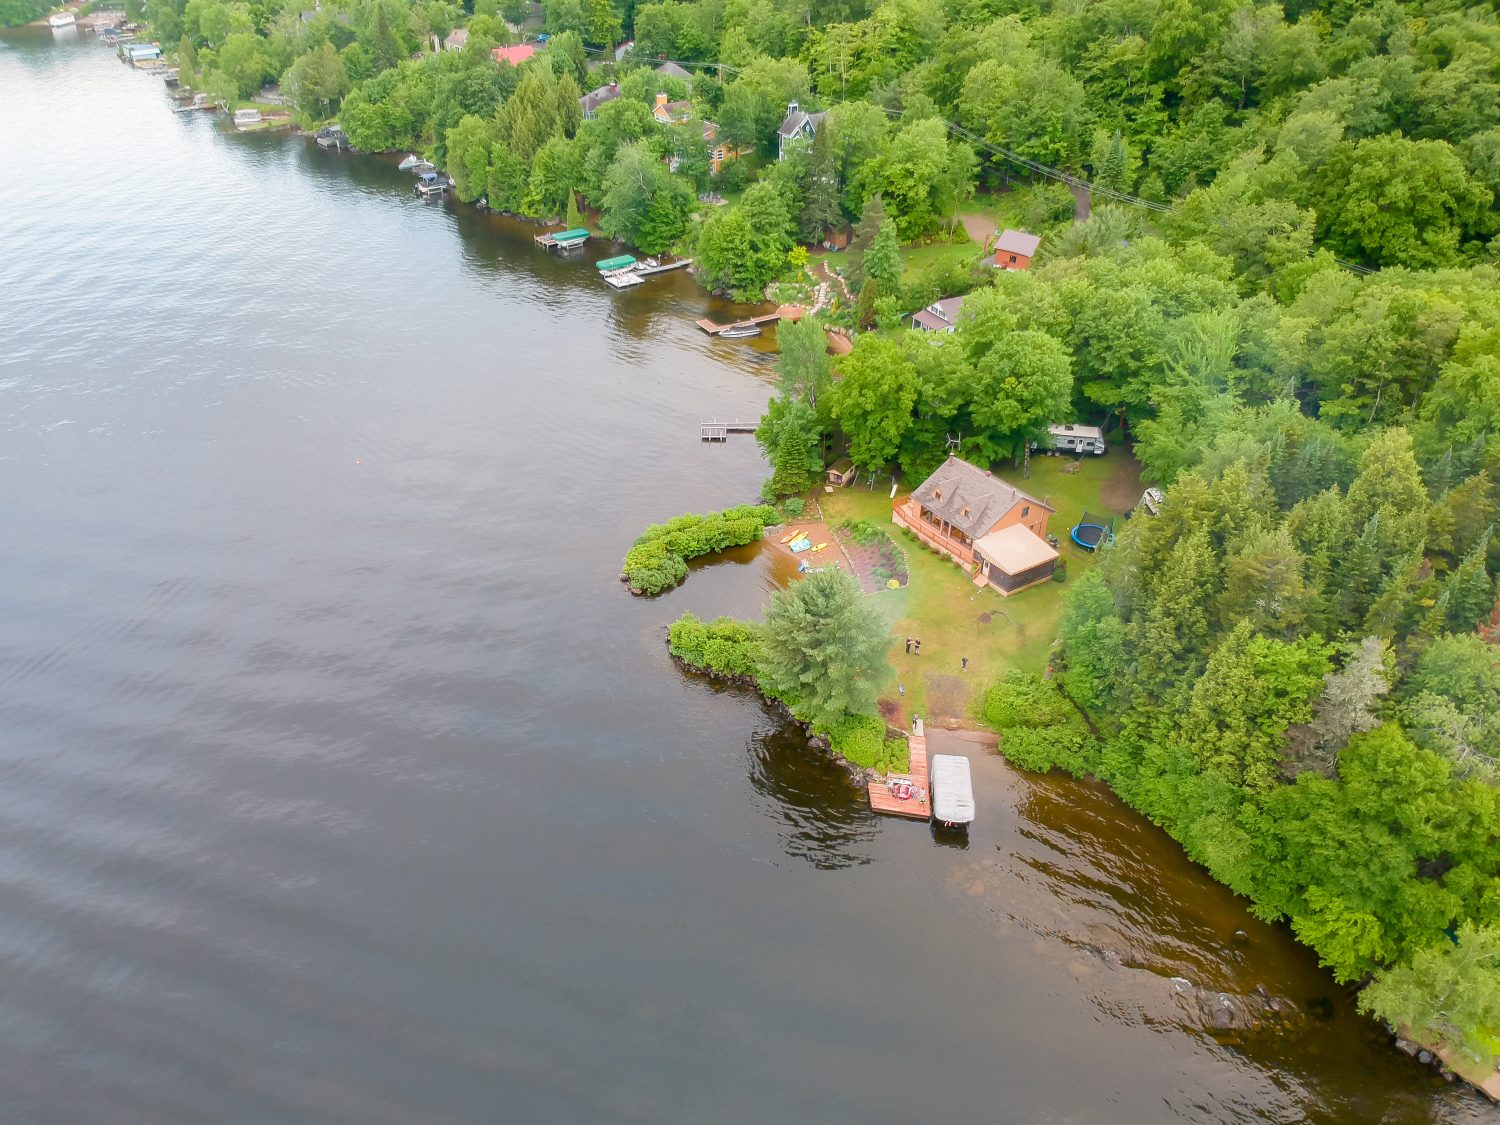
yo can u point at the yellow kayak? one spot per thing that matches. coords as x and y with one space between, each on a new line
785 539
819 547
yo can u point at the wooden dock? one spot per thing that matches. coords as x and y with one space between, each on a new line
883 800
720 431
785 312
550 239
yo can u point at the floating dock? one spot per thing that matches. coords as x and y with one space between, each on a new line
884 800
785 312
624 277
720 431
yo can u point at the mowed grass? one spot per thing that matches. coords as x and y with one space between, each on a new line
917 259
943 608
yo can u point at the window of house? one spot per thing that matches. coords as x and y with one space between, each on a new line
937 493
1012 257
1025 512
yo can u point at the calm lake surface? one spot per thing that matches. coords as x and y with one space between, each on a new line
341 781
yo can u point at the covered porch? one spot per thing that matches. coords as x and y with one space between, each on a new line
935 532
1014 559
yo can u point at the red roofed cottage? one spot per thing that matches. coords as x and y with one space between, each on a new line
514 55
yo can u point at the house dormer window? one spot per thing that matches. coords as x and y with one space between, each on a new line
1025 511
937 493
965 512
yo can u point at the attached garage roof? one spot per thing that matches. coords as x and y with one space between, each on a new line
1015 549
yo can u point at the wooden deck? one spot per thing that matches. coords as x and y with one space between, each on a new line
882 800
720 431
785 312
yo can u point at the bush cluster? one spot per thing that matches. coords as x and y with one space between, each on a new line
658 561
724 645
1039 728
862 740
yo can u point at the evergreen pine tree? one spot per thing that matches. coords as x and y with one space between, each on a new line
385 52
820 200
882 262
871 219
1469 596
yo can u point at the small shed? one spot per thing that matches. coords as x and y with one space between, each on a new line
952 791
1015 558
841 472
1014 249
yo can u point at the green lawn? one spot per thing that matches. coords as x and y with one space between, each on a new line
915 259
942 606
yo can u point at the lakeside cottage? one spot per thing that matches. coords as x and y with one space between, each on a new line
940 316
1014 249
669 112
798 124
988 526
591 101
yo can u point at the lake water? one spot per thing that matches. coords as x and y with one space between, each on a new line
341 780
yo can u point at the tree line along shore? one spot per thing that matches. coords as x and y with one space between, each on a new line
1278 293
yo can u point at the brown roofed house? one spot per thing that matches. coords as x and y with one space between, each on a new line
940 316
984 523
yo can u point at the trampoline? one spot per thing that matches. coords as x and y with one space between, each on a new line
1092 531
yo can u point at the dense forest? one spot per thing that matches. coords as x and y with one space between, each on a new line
1286 299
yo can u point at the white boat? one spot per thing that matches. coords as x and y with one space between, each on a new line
432 183
61 19
413 162
740 331
952 792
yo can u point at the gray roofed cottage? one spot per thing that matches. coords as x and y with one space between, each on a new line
672 70
961 503
966 497
940 316
797 123
591 101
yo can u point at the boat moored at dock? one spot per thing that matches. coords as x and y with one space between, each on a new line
432 183
562 239
952 792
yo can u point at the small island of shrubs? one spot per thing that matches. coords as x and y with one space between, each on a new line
658 560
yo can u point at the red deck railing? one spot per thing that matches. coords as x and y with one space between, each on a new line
908 518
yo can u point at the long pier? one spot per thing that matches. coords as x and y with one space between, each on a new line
785 312
883 798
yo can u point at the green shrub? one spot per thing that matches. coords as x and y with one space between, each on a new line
1039 727
794 507
723 645
862 740
658 561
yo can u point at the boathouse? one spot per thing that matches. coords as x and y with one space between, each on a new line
961 504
